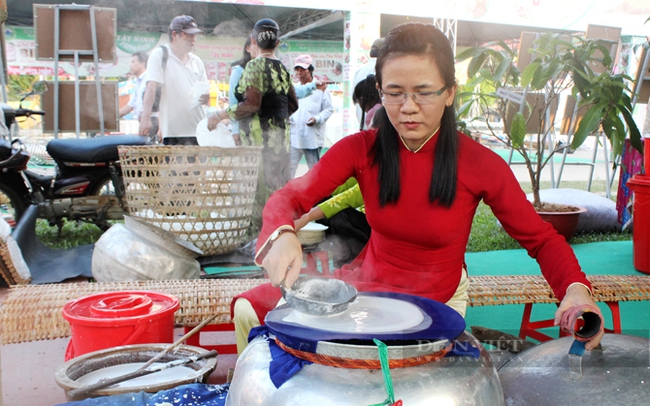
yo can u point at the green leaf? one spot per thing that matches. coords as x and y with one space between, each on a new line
502 68
587 125
470 53
506 49
618 133
475 81
528 74
462 95
465 108
635 134
475 65
518 130
487 74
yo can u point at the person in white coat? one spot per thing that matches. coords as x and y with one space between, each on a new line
308 122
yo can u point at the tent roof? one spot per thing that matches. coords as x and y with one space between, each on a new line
236 19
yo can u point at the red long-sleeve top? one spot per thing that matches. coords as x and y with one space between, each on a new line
418 247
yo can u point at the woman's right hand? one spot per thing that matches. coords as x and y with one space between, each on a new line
284 260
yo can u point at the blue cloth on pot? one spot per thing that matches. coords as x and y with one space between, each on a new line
283 365
463 349
195 394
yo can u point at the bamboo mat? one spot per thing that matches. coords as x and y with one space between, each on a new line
522 289
34 312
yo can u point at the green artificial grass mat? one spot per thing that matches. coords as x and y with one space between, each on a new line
215 270
600 258
557 158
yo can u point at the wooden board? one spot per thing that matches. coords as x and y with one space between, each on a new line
535 101
610 38
525 45
89 116
75 33
567 124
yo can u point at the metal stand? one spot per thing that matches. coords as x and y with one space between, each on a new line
573 125
642 74
547 131
597 139
3 77
76 53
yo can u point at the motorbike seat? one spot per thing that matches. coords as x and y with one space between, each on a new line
91 150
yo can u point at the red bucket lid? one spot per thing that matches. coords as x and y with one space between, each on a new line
639 180
122 305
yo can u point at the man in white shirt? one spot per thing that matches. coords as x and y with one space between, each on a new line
308 122
138 69
178 71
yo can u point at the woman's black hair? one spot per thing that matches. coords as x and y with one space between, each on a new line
418 39
246 55
366 96
266 33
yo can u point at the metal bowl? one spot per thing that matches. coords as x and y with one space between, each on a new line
318 296
67 375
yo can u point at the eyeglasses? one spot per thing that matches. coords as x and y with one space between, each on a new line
418 97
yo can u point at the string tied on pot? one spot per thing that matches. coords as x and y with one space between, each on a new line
388 381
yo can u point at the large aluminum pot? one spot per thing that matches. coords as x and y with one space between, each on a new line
461 380
617 374
141 251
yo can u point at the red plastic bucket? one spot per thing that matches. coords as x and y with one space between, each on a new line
113 319
640 185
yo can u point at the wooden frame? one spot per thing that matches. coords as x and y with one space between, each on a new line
75 33
89 114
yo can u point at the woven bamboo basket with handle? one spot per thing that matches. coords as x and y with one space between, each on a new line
204 195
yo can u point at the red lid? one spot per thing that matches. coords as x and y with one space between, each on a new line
120 305
639 180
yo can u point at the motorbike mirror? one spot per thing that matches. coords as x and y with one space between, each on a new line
39 87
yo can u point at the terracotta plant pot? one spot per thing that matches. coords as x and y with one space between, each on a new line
564 222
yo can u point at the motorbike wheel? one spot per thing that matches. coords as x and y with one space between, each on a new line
104 187
11 205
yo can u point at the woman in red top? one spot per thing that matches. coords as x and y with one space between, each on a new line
421 181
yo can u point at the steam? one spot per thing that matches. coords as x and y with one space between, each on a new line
232 28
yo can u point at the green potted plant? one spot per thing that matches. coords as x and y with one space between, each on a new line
558 66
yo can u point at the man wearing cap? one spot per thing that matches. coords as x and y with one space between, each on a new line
367 69
308 122
177 71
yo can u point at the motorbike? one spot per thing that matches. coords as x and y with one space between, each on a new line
85 185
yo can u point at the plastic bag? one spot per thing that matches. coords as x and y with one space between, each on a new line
198 90
219 137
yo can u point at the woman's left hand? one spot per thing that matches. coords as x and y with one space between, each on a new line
578 295
213 122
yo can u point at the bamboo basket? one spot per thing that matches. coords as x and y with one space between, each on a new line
204 195
8 270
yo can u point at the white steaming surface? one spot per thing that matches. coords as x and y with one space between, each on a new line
366 315
164 376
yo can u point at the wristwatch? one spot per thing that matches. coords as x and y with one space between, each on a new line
277 233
